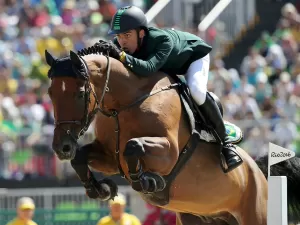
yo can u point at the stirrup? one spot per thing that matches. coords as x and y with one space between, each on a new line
225 167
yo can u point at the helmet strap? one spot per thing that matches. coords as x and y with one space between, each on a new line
139 40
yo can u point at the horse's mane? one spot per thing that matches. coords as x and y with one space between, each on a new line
66 61
95 49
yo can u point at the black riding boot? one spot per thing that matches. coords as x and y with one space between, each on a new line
230 159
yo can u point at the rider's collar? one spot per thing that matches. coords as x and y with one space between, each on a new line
144 42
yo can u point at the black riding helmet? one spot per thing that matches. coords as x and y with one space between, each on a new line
128 18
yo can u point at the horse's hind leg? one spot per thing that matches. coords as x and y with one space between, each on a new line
149 154
254 205
254 213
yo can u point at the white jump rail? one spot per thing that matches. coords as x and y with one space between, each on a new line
277 200
277 187
155 9
213 15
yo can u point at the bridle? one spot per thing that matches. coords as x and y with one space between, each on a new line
87 118
99 107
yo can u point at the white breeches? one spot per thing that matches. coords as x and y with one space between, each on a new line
197 76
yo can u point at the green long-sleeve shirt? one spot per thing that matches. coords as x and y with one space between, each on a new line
170 51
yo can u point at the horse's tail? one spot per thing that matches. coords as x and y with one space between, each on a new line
291 169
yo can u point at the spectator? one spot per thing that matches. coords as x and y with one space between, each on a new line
107 9
275 57
159 216
286 132
295 68
291 14
252 58
263 90
117 214
290 48
25 211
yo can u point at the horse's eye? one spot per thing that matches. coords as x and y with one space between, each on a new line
81 94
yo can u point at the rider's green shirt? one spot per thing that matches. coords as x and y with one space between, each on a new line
167 50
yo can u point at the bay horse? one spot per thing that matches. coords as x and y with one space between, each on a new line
146 132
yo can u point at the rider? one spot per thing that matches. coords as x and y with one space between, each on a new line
146 50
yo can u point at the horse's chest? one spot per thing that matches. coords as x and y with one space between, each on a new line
129 125
139 124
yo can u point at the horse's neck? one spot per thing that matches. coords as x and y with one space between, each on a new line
124 87
118 80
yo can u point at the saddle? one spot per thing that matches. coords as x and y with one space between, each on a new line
197 120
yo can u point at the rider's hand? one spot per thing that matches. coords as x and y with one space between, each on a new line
114 51
109 48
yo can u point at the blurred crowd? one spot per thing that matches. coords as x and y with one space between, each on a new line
27 28
262 96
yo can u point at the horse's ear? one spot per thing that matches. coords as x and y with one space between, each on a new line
79 66
49 58
75 59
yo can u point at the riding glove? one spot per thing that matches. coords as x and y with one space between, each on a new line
111 49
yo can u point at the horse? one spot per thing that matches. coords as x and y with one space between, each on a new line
147 131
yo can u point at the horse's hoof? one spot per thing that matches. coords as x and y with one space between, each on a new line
104 189
152 182
112 186
136 185
92 189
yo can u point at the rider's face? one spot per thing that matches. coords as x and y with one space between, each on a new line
129 40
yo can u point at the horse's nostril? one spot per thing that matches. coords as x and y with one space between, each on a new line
66 148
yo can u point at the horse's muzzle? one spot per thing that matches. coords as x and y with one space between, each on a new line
65 150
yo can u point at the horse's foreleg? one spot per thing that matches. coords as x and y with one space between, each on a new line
151 154
80 163
104 189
